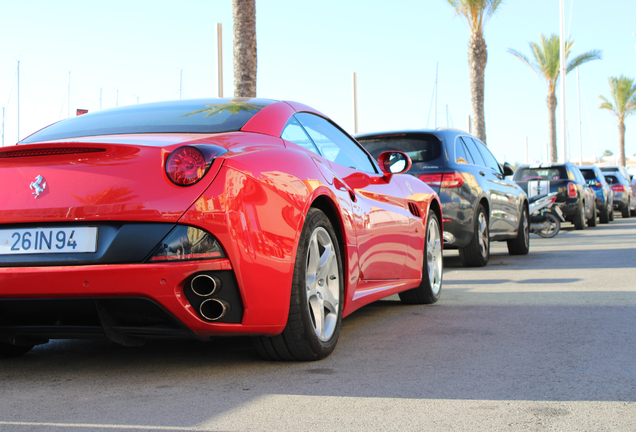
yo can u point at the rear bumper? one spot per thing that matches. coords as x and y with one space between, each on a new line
170 308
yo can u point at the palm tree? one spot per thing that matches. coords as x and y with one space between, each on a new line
244 12
624 94
546 64
477 13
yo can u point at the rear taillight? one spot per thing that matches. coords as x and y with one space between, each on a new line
571 190
443 179
618 188
186 166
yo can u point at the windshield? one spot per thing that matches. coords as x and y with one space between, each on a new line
182 116
588 174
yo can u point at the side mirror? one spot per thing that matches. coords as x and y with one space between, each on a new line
394 162
507 169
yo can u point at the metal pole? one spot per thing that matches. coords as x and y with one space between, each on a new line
470 124
564 135
219 59
18 100
180 83
436 69
68 97
578 101
355 103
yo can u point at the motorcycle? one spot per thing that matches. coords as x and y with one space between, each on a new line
545 217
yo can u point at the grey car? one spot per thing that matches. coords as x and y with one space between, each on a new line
480 203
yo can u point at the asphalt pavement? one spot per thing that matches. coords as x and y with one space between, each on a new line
540 342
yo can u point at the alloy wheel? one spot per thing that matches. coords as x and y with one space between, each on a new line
322 284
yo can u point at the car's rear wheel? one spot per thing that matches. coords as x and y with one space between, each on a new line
591 222
625 211
430 289
604 217
579 220
611 217
9 350
520 245
315 310
477 253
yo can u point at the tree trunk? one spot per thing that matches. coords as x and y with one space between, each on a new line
621 137
244 12
552 104
477 57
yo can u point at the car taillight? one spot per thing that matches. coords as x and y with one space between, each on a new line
186 166
186 243
571 190
443 179
618 188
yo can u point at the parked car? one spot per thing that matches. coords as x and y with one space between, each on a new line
575 198
624 200
604 195
624 194
480 203
204 218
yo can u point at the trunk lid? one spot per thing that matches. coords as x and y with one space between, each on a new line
119 177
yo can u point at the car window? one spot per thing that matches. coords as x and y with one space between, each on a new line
490 160
295 133
334 144
461 153
472 149
579 176
421 148
588 174
551 173
611 179
183 116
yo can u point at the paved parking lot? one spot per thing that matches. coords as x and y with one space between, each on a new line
541 342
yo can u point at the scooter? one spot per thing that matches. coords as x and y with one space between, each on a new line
545 218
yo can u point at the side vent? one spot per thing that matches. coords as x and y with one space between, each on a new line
414 210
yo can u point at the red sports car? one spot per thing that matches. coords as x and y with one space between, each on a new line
203 218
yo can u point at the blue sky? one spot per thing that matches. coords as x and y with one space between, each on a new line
307 51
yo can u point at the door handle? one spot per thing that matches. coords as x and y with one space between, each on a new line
482 173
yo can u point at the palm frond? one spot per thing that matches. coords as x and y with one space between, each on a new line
476 12
583 58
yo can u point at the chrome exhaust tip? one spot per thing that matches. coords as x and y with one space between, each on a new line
203 285
213 309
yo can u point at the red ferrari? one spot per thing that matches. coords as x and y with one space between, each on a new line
204 218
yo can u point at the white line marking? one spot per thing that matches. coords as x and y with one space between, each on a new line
105 426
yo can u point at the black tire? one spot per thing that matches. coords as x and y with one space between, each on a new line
591 222
477 253
604 216
632 212
430 289
520 245
611 217
579 220
8 350
625 211
306 336
554 225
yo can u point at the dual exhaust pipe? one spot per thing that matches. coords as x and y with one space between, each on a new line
211 309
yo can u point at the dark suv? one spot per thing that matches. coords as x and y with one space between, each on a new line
575 198
479 202
604 195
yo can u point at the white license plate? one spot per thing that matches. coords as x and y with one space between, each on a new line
48 240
